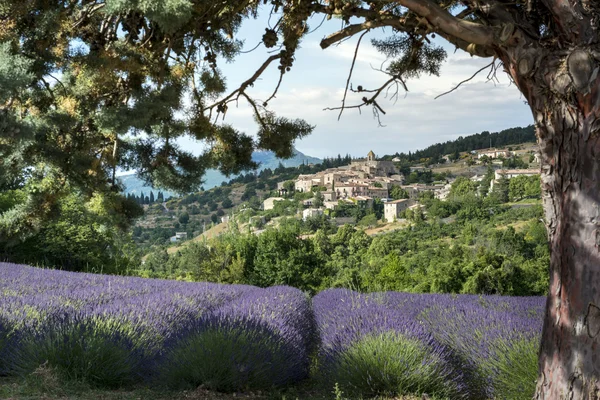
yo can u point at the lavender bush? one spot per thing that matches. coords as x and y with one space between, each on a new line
371 347
261 340
112 330
496 336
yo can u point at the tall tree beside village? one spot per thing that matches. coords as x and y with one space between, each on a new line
79 81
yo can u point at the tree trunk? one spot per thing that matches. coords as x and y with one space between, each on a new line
563 90
570 351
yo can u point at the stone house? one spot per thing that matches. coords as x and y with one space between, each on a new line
495 153
392 209
376 192
347 190
329 195
305 183
311 212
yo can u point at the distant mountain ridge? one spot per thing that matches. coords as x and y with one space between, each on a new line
212 178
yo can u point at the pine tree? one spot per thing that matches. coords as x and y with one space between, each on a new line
151 197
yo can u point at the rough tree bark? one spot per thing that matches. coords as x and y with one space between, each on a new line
562 87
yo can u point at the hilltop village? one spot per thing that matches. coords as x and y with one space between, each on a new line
364 180
377 194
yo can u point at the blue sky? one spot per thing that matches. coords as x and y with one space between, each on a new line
415 121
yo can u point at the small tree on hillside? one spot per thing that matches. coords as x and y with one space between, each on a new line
184 218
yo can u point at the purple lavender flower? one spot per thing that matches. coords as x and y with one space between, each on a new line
136 325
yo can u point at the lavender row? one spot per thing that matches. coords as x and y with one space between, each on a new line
466 336
142 328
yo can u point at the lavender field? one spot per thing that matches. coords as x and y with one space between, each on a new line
459 346
114 331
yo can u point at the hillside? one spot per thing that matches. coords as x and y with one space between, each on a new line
213 178
196 212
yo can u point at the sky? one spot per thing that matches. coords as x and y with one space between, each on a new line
414 121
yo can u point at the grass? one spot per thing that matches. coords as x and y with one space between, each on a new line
45 384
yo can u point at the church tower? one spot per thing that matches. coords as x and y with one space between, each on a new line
371 156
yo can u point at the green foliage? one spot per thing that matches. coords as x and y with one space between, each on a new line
369 220
514 163
501 189
282 259
524 187
289 187
399 48
484 185
391 365
477 253
84 235
184 218
396 193
15 72
227 203
463 186
318 200
86 90
420 177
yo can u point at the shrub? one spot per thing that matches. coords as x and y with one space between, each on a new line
77 349
391 364
370 343
261 340
226 356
